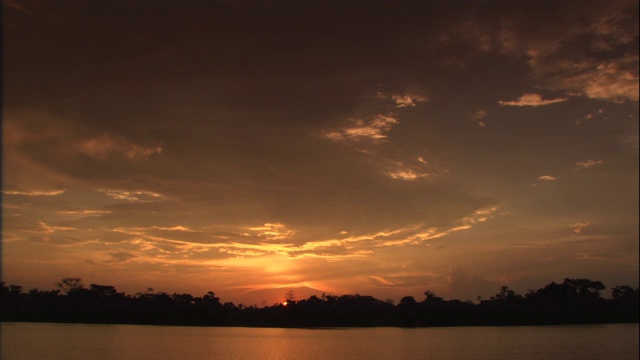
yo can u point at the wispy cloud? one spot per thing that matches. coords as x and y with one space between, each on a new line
409 172
531 99
104 146
59 137
174 228
480 215
34 192
272 231
402 100
85 212
577 227
50 228
465 223
615 80
383 281
150 242
412 169
479 116
589 116
406 174
372 129
136 195
547 178
558 64
418 234
407 100
588 164
121 256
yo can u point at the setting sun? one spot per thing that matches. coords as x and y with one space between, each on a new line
320 179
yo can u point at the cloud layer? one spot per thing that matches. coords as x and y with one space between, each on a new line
248 148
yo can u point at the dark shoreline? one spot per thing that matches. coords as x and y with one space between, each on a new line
573 302
315 327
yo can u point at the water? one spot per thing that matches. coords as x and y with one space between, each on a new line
96 342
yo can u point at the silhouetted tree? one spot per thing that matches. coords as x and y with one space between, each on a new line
289 296
102 290
572 301
586 289
68 285
624 304
407 311
624 293
431 297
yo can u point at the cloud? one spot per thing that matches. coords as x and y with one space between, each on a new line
372 129
402 100
577 227
56 136
608 257
407 174
402 171
547 178
104 146
34 192
478 116
531 99
49 228
611 82
407 100
588 164
410 170
480 215
174 228
615 80
153 244
589 116
121 256
384 282
416 235
42 152
273 231
590 53
85 212
136 195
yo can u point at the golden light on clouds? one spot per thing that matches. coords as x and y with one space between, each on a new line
441 152
547 178
34 192
588 164
372 129
104 146
531 99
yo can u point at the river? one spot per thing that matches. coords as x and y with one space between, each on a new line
137 342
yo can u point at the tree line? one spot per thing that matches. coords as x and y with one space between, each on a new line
574 301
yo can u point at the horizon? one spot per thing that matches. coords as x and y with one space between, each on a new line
293 294
376 148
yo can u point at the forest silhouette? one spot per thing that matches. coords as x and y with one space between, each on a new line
574 301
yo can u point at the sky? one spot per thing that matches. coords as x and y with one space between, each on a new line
380 148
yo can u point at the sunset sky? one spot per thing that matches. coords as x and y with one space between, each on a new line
383 148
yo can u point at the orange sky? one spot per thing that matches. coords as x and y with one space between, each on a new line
383 148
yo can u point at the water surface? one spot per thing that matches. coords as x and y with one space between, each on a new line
136 342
